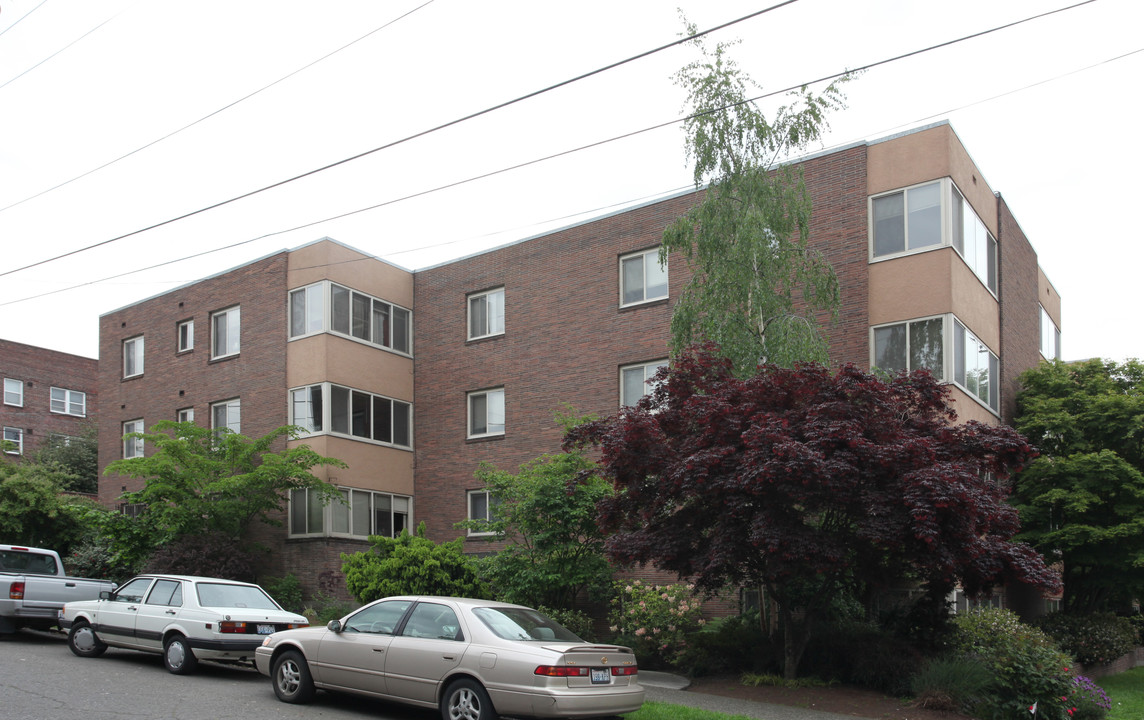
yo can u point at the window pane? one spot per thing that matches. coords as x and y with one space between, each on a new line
314 513
340 306
959 365
382 522
361 415
990 264
656 276
340 513
957 211
925 215
361 512
890 348
478 415
340 409
220 338
633 279
478 317
401 424
58 400
889 225
632 382
382 419
478 506
994 382
496 411
361 316
297 313
926 346
401 330
380 322
315 309
496 311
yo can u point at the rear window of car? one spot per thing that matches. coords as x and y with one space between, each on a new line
523 624
34 563
223 595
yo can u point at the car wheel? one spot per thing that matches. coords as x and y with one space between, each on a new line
177 656
84 642
291 676
465 699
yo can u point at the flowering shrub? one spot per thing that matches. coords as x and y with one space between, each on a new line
1094 639
1027 667
1087 700
653 620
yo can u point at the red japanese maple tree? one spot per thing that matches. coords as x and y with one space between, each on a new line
800 481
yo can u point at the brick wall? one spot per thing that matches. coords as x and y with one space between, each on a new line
39 370
173 380
1020 312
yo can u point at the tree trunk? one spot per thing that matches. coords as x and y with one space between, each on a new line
796 635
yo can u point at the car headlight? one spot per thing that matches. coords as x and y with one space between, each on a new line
266 642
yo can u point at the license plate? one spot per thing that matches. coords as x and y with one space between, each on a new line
265 629
601 676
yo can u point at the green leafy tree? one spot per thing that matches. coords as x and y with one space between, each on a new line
757 288
201 481
411 565
546 516
77 456
1082 501
34 512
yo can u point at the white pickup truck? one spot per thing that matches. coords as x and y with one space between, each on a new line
34 588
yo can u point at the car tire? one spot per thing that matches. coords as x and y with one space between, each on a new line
291 677
466 699
178 657
84 642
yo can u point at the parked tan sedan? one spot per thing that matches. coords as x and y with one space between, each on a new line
473 659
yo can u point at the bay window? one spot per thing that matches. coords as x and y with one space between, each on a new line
353 513
354 413
1050 337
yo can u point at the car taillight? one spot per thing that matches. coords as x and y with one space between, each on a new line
16 591
560 671
228 626
624 671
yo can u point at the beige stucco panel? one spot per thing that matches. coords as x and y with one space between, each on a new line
928 155
326 260
969 409
974 305
371 467
362 366
1049 297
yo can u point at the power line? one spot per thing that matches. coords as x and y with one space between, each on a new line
555 155
422 133
216 112
21 19
57 52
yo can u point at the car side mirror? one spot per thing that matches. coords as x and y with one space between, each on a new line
334 626
105 594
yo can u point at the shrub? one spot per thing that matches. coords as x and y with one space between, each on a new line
1093 639
211 554
654 620
286 590
862 654
1087 701
322 608
727 645
951 683
411 565
95 559
1026 665
580 623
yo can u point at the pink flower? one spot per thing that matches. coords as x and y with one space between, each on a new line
655 631
641 632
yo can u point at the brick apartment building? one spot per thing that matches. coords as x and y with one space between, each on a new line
46 393
415 378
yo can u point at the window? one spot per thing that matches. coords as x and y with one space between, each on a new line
366 318
365 415
168 593
13 392
68 402
912 220
482 506
13 441
185 415
642 277
225 332
635 381
185 336
227 414
356 513
306 408
133 357
486 413
486 314
1050 338
132 446
307 310
923 344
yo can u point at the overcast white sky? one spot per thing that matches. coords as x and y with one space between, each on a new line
1049 110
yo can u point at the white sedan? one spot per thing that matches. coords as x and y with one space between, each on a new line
472 659
185 618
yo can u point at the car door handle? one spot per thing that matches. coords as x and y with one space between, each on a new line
69 584
379 650
450 658
170 612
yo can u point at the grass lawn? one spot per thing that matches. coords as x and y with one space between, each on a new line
1126 691
665 711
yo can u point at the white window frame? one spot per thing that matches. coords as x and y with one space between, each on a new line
307 307
341 425
365 329
65 403
233 410
14 387
490 392
133 356
331 520
488 308
1050 336
226 318
16 437
311 422
490 507
649 370
941 373
186 414
948 193
185 336
651 255
132 447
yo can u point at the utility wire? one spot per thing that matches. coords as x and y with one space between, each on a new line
584 147
422 133
22 17
216 112
57 52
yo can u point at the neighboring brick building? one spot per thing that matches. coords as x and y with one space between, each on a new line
46 393
415 378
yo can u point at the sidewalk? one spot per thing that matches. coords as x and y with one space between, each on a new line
668 688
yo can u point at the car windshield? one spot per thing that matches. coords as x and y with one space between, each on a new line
523 624
221 595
